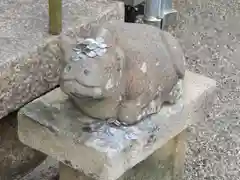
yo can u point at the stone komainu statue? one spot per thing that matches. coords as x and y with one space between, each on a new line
123 71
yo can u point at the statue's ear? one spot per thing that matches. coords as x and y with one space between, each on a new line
176 52
108 36
66 46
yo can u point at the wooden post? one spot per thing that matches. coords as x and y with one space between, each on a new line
55 16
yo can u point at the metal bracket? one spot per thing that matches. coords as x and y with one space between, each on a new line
160 13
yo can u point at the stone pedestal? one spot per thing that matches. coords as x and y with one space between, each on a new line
166 163
152 149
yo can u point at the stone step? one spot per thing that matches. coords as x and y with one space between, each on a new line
16 159
48 170
29 55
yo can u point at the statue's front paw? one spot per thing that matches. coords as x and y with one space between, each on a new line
129 114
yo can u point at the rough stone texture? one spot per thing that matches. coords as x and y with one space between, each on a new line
213 148
131 80
29 55
209 33
52 125
157 166
16 159
47 170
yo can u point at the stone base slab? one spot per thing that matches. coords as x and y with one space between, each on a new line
51 124
160 165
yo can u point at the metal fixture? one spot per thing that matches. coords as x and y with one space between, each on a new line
156 12
160 13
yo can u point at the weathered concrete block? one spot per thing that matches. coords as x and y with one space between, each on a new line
29 56
157 166
51 124
166 163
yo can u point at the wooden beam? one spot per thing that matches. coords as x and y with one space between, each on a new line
55 16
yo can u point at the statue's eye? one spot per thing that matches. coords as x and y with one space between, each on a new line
118 69
86 72
67 68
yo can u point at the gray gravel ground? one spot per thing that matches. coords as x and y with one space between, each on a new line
210 35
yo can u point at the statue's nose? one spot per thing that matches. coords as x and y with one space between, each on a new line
86 72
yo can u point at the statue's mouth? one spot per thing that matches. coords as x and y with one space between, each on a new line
82 91
80 96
